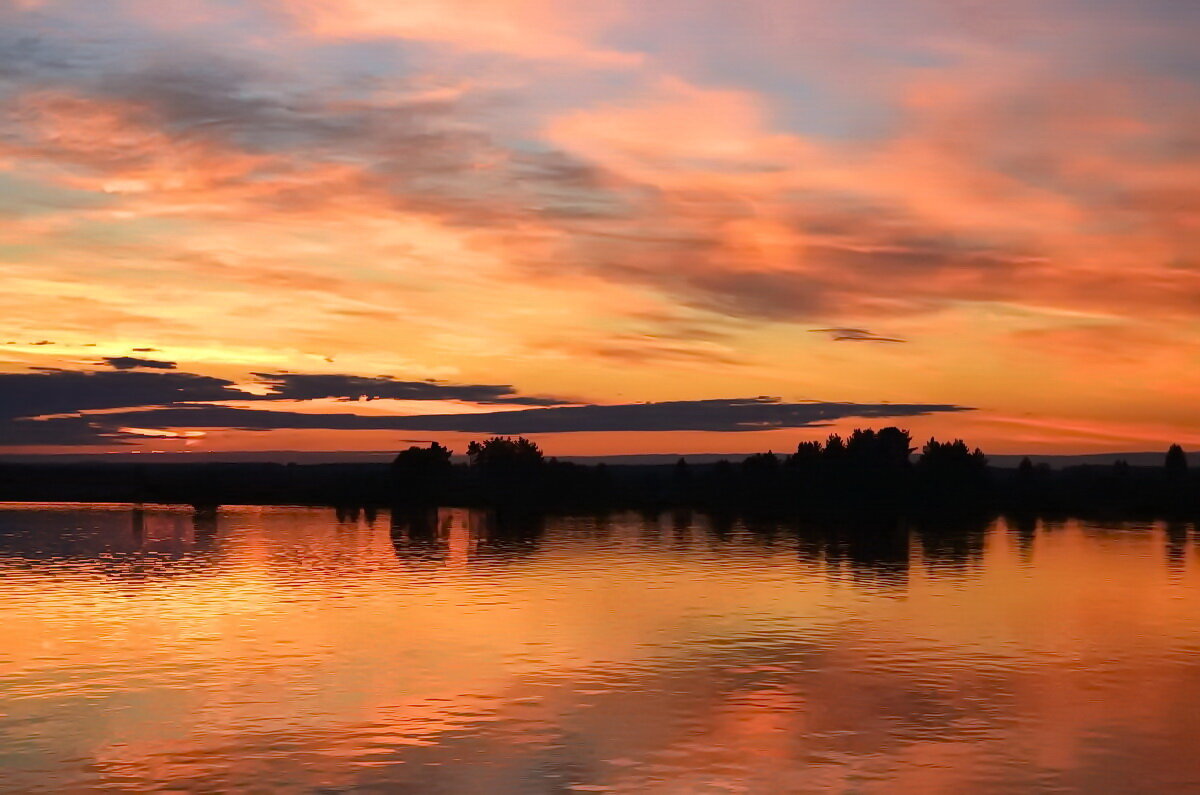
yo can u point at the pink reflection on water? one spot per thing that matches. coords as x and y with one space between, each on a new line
460 651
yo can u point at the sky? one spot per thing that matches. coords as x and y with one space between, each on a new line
614 227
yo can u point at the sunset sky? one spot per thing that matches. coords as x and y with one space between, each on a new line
616 227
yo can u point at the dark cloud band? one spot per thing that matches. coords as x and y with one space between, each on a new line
733 415
133 363
313 386
43 407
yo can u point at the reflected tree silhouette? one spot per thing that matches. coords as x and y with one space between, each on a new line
1024 527
1177 536
953 543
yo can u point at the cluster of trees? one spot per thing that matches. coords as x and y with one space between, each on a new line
877 471
868 469
501 471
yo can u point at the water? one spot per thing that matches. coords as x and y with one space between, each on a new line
288 650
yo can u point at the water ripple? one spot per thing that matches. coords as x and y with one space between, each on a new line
283 650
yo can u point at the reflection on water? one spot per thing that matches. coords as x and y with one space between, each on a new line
455 651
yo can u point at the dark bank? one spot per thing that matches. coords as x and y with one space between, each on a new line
869 472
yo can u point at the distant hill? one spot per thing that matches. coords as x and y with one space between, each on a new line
635 459
1096 459
1055 461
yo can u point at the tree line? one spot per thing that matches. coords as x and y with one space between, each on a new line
867 471
878 472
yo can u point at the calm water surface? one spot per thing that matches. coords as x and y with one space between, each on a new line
277 650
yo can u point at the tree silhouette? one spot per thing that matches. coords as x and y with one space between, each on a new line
955 455
422 473
1176 463
509 471
505 454
806 453
760 465
885 450
951 473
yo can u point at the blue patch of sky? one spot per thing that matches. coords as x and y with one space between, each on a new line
27 197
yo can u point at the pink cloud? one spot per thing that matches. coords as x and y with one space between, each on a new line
537 29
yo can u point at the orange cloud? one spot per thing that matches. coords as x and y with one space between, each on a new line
115 147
